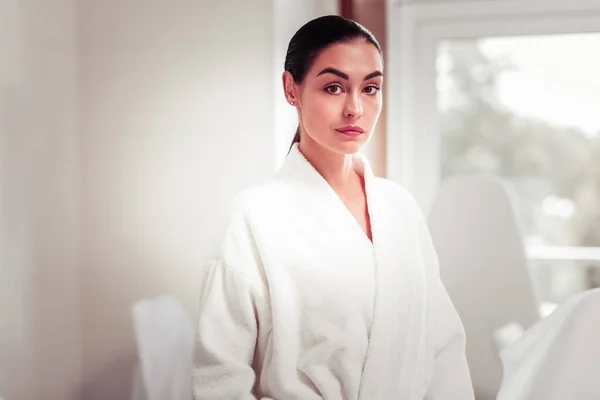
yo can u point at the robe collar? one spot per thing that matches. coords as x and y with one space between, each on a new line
398 362
297 168
296 164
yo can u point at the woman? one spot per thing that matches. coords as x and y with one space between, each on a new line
324 283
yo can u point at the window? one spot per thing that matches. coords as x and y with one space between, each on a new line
509 89
525 108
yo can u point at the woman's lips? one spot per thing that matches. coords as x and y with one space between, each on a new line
351 130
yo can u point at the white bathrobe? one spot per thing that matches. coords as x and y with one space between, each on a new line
298 303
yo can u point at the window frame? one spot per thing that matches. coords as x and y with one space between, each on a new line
413 31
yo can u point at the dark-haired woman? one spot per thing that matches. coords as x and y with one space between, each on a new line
324 283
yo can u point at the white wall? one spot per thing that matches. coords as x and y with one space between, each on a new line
177 115
40 341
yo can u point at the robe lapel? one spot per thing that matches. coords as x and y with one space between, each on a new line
323 200
396 335
396 341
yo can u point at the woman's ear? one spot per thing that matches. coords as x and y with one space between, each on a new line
289 88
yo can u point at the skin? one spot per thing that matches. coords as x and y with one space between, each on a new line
325 102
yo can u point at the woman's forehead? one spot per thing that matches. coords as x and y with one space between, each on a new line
356 58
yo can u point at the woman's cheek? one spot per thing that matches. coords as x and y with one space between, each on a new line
374 110
323 109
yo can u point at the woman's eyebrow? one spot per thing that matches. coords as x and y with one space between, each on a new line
330 70
373 75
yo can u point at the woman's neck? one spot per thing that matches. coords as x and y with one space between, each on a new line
337 169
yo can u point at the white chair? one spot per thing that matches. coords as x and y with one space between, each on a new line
164 336
484 267
559 357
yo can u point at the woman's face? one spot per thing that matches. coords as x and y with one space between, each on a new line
340 99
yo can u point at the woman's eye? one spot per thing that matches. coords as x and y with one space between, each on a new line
332 89
371 89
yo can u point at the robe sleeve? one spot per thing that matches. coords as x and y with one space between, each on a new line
226 336
451 378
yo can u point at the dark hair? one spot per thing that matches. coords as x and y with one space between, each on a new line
314 37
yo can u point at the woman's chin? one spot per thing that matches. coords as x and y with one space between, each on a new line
342 145
349 147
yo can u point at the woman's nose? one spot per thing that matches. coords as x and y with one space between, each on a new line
353 107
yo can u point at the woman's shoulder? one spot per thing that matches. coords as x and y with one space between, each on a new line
234 232
256 201
401 202
396 193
